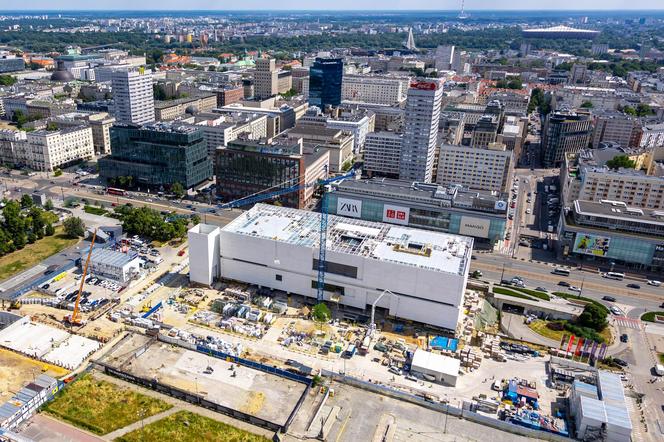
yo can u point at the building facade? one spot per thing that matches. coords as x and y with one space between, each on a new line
420 131
382 154
51 150
563 133
325 82
378 89
481 215
488 169
266 78
133 96
157 155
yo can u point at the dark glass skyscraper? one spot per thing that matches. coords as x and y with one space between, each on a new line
325 77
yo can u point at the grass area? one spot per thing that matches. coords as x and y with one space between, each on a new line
32 254
575 297
537 294
101 407
50 217
510 292
95 210
660 356
650 316
540 327
185 426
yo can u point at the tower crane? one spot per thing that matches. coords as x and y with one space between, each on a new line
322 243
75 318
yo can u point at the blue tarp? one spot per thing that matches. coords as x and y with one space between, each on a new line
443 343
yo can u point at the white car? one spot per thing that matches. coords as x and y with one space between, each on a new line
528 211
574 288
654 282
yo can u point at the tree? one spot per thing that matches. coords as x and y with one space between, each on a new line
26 201
48 205
178 190
7 80
49 230
621 161
195 219
74 227
587 104
321 313
593 317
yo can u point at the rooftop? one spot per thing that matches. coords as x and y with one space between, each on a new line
111 257
409 247
618 210
435 362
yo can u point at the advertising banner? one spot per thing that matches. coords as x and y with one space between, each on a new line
602 352
570 343
593 350
396 214
349 207
591 244
477 227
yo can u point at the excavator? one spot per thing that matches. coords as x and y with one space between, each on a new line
75 317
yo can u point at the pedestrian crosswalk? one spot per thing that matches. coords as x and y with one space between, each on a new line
624 321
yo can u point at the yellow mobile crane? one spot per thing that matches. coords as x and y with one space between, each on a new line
75 317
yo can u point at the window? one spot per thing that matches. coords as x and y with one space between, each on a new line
278 277
337 269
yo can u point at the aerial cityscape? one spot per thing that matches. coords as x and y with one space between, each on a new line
359 221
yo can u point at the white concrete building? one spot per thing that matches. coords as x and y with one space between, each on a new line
444 369
378 89
50 150
444 58
204 263
477 168
652 135
116 266
221 130
276 247
420 131
133 96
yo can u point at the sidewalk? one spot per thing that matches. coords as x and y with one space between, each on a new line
140 424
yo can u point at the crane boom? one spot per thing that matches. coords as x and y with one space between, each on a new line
74 319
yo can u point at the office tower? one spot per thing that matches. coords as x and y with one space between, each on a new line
479 168
325 80
563 133
382 154
157 155
266 78
485 131
444 57
420 131
133 97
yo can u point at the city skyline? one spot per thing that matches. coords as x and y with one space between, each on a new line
473 5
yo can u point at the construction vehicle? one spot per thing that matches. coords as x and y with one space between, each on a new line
75 317
146 307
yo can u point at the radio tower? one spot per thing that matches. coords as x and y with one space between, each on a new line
462 14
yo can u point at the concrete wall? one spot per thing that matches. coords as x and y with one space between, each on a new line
203 254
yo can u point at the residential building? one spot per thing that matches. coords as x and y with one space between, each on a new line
514 102
421 120
219 130
448 209
485 131
229 95
444 58
382 154
338 142
489 168
266 78
652 135
14 149
276 248
157 155
99 122
246 167
615 127
10 63
378 89
133 97
51 150
325 82
513 134
563 133
172 109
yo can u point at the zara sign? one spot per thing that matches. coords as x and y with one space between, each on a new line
348 207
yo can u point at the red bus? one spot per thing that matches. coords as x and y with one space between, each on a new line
114 191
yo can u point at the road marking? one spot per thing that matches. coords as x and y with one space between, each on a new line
624 321
343 426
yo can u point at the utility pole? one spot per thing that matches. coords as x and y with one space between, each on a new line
502 274
583 280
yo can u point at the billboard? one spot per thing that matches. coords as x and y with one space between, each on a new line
591 244
396 214
477 227
348 207
658 255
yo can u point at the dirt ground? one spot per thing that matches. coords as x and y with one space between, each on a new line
17 370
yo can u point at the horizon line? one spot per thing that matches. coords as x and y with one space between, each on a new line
321 9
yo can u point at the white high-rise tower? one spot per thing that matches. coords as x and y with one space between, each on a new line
133 96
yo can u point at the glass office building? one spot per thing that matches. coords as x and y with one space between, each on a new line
325 77
157 155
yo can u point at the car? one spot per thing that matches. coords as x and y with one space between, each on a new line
609 298
574 288
563 283
395 370
620 362
616 311
624 337
542 289
476 274
46 286
181 252
631 285
411 377
528 211
654 282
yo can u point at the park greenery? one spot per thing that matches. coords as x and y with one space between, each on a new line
7 80
23 223
321 313
621 161
150 223
539 100
509 84
74 227
641 110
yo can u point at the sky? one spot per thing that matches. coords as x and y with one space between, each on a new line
337 4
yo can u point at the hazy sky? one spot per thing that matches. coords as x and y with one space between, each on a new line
321 4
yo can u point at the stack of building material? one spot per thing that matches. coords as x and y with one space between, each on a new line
470 358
